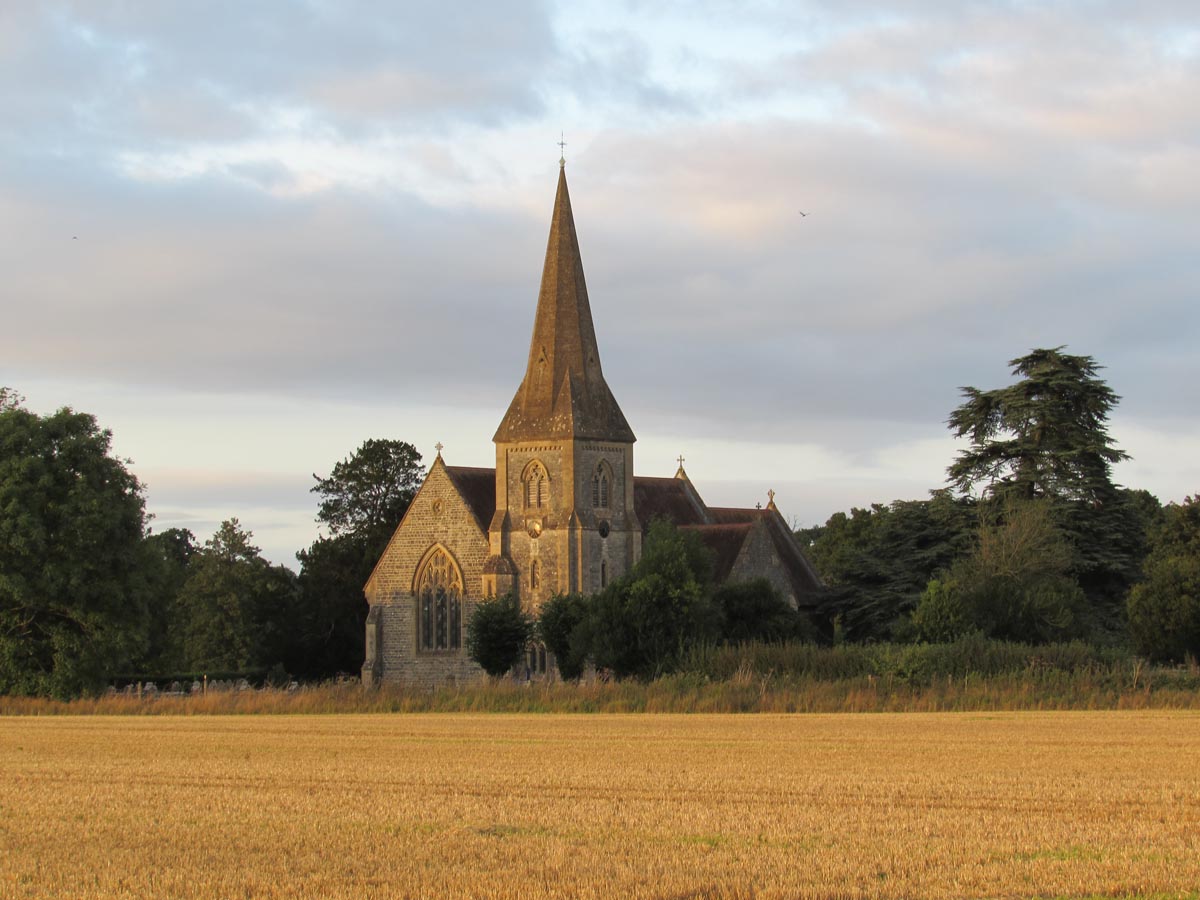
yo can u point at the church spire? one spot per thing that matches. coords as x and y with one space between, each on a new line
564 394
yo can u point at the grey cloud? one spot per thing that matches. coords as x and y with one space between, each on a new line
957 220
149 73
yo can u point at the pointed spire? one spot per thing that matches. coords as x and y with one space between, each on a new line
564 394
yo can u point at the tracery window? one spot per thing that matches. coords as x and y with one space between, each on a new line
537 486
439 603
601 483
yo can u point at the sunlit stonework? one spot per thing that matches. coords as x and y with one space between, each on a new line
561 511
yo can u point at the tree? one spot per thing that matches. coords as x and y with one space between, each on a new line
235 608
878 561
167 562
558 626
641 624
754 611
941 616
369 492
1015 585
497 634
1046 436
1164 610
9 399
72 589
331 609
362 501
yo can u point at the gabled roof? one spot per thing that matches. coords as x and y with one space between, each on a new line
725 543
563 394
723 530
477 486
667 498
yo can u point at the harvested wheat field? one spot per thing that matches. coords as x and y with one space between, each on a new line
929 805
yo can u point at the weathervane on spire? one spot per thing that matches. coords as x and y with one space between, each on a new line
562 146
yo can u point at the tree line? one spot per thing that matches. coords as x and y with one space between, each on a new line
1030 540
89 592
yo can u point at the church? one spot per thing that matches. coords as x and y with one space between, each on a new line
562 510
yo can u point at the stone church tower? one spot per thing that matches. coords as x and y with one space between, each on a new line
564 513
561 512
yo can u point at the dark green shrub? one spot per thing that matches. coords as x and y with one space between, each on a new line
754 611
558 625
498 633
941 615
1164 610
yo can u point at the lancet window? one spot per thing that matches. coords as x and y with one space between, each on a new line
439 603
537 486
601 486
535 659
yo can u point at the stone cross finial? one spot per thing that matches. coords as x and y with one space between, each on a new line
681 460
439 447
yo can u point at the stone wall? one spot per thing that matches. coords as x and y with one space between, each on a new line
759 558
437 517
563 536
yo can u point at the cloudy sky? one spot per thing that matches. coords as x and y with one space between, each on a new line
249 236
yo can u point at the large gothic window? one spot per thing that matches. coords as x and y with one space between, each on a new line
601 486
439 603
537 486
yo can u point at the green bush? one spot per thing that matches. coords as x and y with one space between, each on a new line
972 655
558 625
941 615
498 633
1164 610
754 611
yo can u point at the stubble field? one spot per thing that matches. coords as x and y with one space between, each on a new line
534 806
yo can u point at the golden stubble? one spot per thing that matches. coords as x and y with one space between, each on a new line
536 806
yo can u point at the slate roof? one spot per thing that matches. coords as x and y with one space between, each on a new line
563 394
722 529
724 542
478 488
666 498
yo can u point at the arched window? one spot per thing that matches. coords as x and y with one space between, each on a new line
601 484
603 573
535 575
535 659
537 486
439 603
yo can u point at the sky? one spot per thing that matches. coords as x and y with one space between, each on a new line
247 237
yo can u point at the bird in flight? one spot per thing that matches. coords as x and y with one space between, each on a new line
802 212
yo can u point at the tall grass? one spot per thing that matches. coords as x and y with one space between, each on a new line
1059 681
917 664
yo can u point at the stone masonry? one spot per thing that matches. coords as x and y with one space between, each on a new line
561 511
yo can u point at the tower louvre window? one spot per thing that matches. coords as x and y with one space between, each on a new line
536 486
601 486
